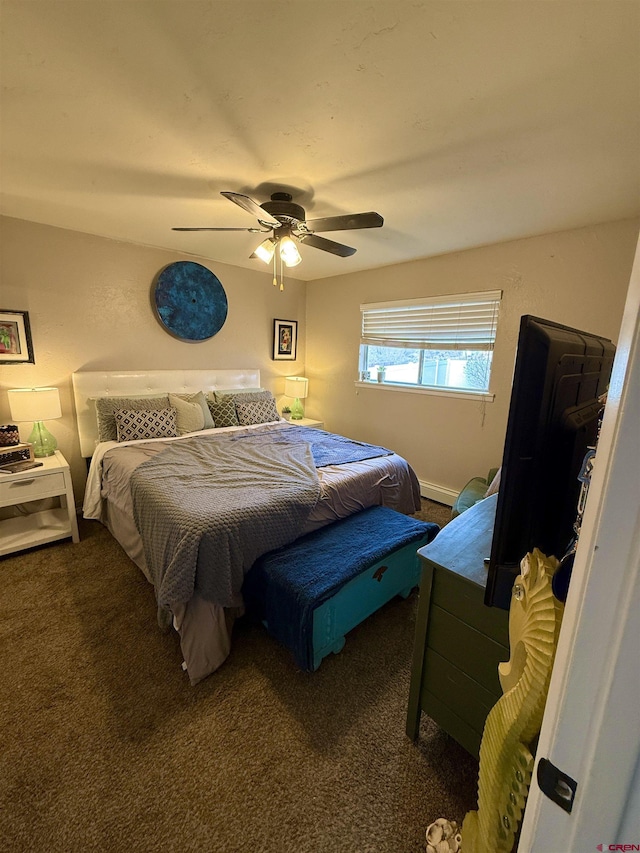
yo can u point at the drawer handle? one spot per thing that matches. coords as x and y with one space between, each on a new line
23 482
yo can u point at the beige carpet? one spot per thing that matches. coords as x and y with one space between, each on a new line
105 746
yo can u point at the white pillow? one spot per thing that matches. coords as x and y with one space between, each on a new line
189 416
199 397
494 485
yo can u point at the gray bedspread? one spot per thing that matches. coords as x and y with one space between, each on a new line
259 495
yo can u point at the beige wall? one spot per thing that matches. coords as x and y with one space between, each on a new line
89 304
578 278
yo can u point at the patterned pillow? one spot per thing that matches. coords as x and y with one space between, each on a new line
107 406
265 399
257 412
219 396
253 396
201 400
189 417
224 412
132 424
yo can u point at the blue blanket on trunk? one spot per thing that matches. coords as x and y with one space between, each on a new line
284 586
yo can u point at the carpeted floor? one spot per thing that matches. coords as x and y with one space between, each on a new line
432 511
104 746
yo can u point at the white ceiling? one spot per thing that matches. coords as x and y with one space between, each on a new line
461 123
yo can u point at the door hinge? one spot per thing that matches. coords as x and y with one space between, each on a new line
556 785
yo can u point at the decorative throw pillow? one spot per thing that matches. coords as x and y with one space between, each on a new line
257 412
224 412
189 417
107 406
266 406
132 424
494 485
252 396
201 400
219 396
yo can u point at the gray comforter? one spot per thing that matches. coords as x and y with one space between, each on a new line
259 495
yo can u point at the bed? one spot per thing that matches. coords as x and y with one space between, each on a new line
194 510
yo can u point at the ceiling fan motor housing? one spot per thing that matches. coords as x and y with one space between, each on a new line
283 208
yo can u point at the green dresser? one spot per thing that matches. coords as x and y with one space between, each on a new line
459 641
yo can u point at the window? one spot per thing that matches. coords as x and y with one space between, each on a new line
442 342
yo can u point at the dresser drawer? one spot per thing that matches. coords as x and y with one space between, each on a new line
466 648
31 488
447 719
465 600
458 691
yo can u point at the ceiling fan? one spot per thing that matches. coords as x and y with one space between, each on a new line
286 222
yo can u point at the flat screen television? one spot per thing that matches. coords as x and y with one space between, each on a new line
560 375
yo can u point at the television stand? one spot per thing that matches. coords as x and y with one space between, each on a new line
459 641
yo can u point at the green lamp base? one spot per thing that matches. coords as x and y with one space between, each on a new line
297 412
44 444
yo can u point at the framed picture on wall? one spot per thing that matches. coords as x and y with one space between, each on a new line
15 338
285 340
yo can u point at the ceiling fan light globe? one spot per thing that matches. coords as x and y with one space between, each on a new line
289 252
265 250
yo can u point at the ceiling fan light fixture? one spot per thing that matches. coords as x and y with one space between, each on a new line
289 252
265 250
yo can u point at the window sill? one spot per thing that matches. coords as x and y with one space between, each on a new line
436 392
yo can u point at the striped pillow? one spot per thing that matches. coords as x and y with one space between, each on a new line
106 407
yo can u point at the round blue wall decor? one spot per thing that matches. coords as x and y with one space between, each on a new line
190 301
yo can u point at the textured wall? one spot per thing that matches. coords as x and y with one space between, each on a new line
578 278
89 301
89 304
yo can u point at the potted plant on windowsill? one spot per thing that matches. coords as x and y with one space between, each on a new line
381 373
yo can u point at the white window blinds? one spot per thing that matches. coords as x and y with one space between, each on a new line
465 321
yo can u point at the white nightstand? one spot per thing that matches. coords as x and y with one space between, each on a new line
51 479
308 422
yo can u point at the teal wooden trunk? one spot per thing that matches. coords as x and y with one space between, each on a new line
396 574
311 593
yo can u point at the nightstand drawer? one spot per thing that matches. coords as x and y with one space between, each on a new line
32 488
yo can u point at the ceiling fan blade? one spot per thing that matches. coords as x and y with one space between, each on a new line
326 245
345 222
252 207
252 230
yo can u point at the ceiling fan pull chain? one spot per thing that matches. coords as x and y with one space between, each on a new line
275 272
281 274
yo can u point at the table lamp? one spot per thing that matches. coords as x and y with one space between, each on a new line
37 405
298 387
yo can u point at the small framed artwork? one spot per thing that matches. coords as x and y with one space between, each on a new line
15 338
285 340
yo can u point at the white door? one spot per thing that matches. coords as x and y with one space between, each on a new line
591 726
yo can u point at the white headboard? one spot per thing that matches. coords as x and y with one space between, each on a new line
136 383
